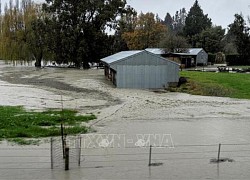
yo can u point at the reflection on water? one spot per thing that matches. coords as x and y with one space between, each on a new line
218 170
44 63
19 62
25 63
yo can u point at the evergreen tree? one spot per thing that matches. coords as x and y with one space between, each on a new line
195 23
240 34
168 21
211 39
78 28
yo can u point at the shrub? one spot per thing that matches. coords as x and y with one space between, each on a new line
211 58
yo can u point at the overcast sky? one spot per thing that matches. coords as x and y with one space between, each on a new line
220 11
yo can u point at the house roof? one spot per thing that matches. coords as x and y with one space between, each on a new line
119 56
157 51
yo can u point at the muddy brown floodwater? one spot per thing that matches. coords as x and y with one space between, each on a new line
185 130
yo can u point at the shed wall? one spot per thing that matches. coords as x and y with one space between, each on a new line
202 58
146 76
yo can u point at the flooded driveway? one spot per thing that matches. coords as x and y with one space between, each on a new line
184 129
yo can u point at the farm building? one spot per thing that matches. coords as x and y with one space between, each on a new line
140 70
192 58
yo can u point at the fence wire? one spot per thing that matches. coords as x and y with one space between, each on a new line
204 152
40 158
57 155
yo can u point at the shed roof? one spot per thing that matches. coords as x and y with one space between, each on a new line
157 51
118 56
123 55
191 51
194 51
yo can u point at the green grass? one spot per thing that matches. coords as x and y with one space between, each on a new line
241 67
216 84
16 123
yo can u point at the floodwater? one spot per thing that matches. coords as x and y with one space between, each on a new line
185 130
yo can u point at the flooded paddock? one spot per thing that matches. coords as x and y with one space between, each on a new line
184 129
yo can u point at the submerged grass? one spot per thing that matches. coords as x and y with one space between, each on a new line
16 123
216 84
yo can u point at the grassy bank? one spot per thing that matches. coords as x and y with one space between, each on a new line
16 123
216 84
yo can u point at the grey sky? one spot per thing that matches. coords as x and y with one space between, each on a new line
220 11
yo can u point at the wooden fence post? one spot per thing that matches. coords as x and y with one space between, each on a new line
80 148
218 159
150 152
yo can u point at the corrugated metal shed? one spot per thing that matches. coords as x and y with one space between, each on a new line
201 57
141 70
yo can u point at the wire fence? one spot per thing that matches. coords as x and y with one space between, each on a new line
43 157
205 152
58 154
35 157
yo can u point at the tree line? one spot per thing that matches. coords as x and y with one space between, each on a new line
76 31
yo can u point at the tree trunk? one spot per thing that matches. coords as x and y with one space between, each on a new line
39 57
38 63
85 65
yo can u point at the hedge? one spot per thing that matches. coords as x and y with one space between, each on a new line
211 58
237 60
